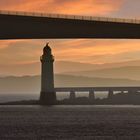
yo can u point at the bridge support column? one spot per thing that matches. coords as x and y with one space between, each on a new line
91 95
110 94
122 92
72 95
131 91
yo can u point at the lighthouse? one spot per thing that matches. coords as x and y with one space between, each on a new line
47 95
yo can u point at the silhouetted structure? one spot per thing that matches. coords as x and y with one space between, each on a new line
92 90
110 94
48 95
39 26
72 95
91 95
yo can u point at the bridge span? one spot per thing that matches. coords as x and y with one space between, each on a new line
24 25
92 90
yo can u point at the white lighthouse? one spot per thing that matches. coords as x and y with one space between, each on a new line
48 95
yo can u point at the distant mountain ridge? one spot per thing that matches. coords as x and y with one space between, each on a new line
31 84
60 67
128 72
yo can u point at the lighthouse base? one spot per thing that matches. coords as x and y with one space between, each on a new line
48 98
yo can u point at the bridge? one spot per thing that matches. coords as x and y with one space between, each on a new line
92 90
24 25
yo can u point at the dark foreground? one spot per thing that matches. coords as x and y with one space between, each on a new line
70 122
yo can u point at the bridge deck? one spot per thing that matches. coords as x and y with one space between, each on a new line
76 17
24 25
84 89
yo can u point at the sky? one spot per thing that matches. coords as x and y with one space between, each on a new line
17 52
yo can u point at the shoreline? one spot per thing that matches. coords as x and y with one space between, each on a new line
36 102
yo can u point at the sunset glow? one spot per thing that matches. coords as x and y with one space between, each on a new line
18 52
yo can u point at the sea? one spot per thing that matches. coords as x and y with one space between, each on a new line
70 122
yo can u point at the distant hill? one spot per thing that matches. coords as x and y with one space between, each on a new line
64 66
128 72
35 68
31 84
60 67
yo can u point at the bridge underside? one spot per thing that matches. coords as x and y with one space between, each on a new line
84 89
30 27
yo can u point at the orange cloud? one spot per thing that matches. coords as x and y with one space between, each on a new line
85 7
25 51
82 50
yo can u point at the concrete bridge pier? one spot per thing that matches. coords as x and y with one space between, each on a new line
110 94
122 92
132 91
91 95
72 95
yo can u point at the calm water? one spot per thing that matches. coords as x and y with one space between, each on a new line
70 122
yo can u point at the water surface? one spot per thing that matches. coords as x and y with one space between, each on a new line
70 122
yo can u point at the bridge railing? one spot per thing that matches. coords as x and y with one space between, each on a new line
67 89
77 17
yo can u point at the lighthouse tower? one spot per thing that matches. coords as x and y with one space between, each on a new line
48 95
